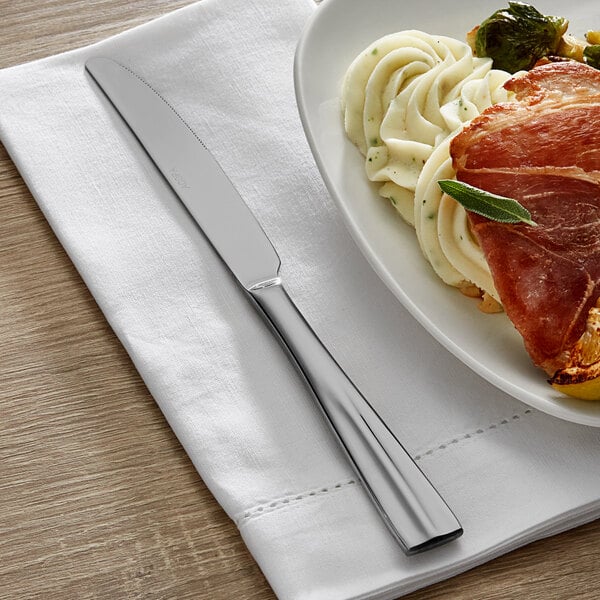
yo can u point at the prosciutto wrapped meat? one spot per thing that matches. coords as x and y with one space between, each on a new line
543 150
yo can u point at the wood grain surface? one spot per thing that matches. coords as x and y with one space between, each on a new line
97 498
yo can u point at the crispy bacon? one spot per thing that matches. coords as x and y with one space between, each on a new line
544 151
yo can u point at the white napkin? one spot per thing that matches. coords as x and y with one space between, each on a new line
511 474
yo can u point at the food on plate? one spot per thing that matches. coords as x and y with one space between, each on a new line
543 150
591 50
403 97
494 207
424 110
517 37
580 377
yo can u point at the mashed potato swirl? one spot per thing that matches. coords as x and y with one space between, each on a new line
403 99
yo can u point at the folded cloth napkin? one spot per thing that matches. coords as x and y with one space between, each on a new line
238 406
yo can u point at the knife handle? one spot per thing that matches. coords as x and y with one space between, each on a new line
413 510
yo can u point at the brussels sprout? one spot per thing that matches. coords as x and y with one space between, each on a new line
591 55
518 36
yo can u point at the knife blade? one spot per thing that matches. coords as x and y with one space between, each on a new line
413 510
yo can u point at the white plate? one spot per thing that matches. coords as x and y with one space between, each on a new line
338 31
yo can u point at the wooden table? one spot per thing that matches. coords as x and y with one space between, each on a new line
97 498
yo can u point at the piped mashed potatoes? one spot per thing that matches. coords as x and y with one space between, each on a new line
404 98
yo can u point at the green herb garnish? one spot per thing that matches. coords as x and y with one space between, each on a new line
496 208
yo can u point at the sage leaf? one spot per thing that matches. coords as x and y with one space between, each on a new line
496 208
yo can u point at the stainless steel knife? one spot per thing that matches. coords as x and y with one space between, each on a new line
413 510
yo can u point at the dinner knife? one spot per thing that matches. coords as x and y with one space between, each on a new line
413 510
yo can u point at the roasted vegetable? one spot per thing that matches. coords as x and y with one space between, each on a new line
592 37
571 47
591 55
518 36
